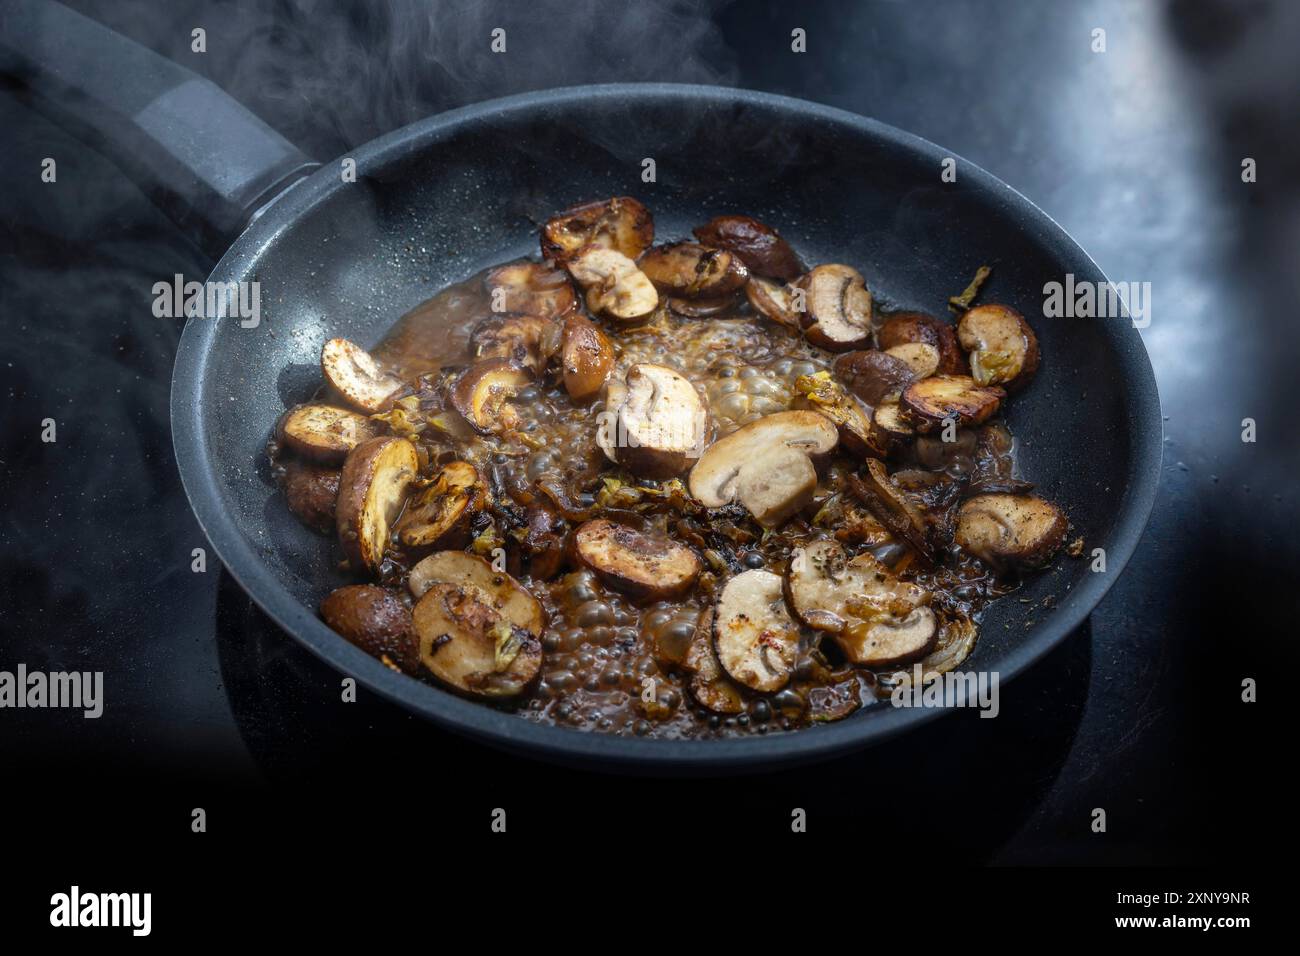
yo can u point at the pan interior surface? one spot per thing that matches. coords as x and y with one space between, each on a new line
439 200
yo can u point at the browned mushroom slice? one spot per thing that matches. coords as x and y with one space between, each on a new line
929 403
642 564
531 288
708 684
921 358
1011 531
888 417
481 392
324 433
375 620
831 702
877 620
439 515
469 645
704 308
875 377
608 437
312 493
586 358
837 308
1003 348
774 301
889 426
372 490
892 508
658 420
505 594
513 336
615 287
765 465
757 244
353 374
690 271
823 394
753 635
903 328
621 224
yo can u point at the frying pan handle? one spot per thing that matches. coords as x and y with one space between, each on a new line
207 161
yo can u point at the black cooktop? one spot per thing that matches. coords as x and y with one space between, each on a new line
1137 151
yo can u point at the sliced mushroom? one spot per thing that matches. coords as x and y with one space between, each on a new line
890 427
774 301
312 493
354 374
875 377
765 465
375 620
608 437
757 244
929 403
904 328
753 635
468 644
514 336
621 224
705 308
876 619
372 490
586 358
531 288
823 394
691 271
708 684
481 392
504 593
642 564
1003 348
615 287
921 357
325 433
439 514
660 422
1010 531
830 702
892 508
837 315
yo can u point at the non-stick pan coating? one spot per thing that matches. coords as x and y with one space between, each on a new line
443 198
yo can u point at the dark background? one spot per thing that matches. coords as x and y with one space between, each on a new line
1136 151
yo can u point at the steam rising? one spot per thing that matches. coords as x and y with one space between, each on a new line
333 76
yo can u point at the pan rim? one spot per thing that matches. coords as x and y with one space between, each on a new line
592 749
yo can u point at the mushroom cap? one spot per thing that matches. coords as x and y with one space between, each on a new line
353 373
1009 530
754 636
470 645
461 568
838 309
661 421
765 465
877 619
643 564
1003 348
372 490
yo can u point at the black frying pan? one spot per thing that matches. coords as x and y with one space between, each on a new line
442 198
